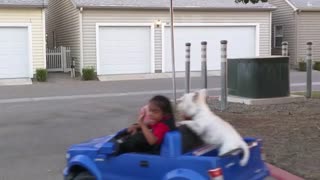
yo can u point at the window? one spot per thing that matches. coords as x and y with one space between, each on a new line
278 36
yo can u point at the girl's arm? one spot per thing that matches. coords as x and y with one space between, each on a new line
151 139
148 134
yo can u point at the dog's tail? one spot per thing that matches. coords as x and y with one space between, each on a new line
246 154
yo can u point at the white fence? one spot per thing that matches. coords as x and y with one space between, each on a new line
59 59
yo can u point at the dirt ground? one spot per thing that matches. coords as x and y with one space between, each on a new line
290 132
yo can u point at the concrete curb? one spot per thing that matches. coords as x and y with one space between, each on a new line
266 101
15 82
151 76
281 174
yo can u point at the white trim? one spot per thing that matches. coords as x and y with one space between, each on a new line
98 48
30 51
29 27
270 34
153 69
256 25
291 5
257 39
213 24
125 24
152 49
44 38
81 41
15 24
163 62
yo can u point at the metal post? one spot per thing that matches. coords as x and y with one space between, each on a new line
73 65
187 79
285 49
173 54
64 58
285 52
224 75
204 64
309 70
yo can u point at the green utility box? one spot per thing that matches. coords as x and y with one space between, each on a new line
259 77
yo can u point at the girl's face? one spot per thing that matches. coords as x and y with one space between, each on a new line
155 113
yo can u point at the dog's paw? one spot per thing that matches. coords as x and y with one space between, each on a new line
180 123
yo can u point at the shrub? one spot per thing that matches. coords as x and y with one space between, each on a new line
88 74
317 66
302 66
41 75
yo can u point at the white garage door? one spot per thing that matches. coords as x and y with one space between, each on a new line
241 43
14 61
124 50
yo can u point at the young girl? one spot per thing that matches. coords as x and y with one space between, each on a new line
147 137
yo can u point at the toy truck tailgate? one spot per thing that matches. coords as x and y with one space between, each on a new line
228 167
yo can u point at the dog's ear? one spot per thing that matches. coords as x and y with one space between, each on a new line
179 100
195 96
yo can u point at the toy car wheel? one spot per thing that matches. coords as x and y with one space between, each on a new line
84 176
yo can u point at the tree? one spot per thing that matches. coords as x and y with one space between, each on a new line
252 1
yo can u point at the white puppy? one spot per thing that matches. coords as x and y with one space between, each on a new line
210 127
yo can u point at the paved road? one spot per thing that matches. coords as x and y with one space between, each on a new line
69 88
34 133
34 136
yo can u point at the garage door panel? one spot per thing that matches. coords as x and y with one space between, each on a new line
14 52
125 50
241 43
130 68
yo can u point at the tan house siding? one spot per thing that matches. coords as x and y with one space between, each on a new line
285 16
91 17
33 16
309 31
63 20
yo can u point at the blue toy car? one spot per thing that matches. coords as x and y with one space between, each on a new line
95 160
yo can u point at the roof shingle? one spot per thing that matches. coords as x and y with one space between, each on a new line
161 4
306 4
24 3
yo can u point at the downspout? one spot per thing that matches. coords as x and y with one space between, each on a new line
81 40
270 34
44 37
297 22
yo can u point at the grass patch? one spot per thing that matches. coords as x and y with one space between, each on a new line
315 94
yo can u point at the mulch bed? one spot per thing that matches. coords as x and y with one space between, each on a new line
290 132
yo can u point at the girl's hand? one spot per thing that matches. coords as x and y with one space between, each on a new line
142 115
133 129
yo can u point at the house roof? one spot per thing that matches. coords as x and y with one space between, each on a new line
306 5
178 4
23 3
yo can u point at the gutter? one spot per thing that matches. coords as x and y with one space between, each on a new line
182 8
290 4
309 9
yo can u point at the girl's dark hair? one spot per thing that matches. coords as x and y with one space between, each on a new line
165 105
